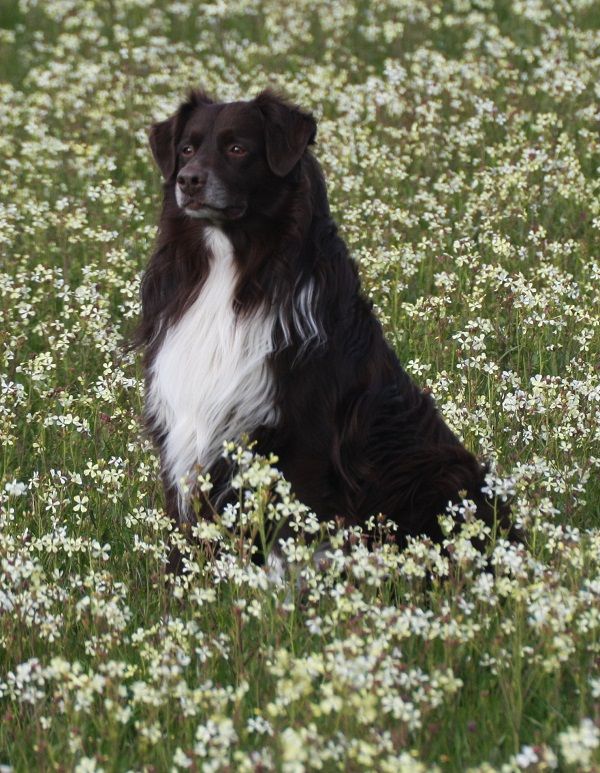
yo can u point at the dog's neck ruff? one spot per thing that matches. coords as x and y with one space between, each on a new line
210 380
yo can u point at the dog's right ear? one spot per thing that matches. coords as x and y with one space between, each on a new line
164 135
162 144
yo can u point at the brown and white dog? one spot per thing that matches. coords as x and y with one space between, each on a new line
253 322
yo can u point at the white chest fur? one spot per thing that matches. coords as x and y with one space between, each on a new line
209 381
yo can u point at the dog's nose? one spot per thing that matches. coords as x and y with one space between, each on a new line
190 181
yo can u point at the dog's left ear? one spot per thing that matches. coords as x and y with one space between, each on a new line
288 131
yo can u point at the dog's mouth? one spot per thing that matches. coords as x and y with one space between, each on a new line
202 208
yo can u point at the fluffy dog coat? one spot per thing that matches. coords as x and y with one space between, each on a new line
253 322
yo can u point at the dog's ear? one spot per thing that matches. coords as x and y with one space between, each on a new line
288 131
162 144
164 135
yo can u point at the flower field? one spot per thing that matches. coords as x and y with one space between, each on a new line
461 148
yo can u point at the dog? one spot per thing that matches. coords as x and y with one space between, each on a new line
253 323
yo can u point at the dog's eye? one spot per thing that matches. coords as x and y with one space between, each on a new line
236 150
187 150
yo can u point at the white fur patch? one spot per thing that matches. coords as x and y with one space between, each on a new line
209 381
303 319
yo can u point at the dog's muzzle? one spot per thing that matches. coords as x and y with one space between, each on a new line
205 196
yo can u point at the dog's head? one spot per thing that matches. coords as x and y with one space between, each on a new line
225 161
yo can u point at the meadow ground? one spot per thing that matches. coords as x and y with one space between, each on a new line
460 145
